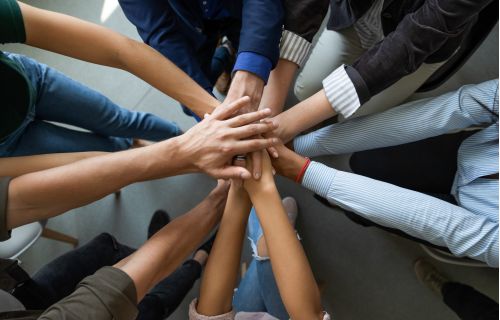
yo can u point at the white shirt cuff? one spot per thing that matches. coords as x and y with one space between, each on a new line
341 92
294 48
319 178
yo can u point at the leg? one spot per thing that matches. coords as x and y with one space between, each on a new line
331 51
41 137
248 297
166 296
468 303
259 277
64 100
427 166
398 92
59 278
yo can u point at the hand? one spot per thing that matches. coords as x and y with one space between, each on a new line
288 164
211 144
247 84
266 182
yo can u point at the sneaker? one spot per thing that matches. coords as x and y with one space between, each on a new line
207 246
428 275
159 220
291 209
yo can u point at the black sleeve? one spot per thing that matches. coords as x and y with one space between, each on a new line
417 37
304 17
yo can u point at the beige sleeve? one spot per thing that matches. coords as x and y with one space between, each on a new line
108 294
194 315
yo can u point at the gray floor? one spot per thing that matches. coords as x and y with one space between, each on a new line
367 273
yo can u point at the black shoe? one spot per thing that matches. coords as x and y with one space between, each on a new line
159 220
207 246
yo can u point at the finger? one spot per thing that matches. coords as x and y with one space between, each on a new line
247 146
257 164
247 118
273 152
251 130
239 163
224 111
231 172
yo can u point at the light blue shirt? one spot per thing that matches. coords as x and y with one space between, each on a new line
469 229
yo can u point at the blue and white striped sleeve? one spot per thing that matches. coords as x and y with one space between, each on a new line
471 105
419 215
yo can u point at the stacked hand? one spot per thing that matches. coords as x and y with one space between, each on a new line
211 145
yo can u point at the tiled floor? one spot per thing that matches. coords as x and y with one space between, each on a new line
368 273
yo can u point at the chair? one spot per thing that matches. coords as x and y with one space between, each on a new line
25 236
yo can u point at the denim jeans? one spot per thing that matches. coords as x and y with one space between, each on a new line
63 100
258 291
59 278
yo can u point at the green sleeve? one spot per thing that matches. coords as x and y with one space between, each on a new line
11 22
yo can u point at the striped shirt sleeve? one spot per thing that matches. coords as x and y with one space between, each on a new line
341 92
466 234
294 48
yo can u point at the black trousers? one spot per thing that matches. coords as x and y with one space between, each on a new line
468 303
59 278
427 166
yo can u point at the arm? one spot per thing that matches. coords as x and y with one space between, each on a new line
217 288
206 147
471 105
86 41
294 276
113 292
414 41
301 22
463 232
17 166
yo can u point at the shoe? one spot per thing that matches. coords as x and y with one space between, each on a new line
428 275
207 246
291 209
159 220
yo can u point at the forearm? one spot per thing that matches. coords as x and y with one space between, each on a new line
47 193
276 90
304 115
216 292
89 42
291 269
166 250
16 166
414 213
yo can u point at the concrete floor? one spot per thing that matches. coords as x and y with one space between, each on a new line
367 272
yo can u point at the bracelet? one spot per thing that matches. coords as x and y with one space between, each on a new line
303 170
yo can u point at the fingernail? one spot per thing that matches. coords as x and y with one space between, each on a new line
276 155
256 175
267 110
275 140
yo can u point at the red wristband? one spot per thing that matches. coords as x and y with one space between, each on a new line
303 170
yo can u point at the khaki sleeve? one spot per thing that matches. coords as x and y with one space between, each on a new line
108 294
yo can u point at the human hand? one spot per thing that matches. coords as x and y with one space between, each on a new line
247 84
266 182
210 145
289 164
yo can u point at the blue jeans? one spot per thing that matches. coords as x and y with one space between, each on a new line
60 99
258 291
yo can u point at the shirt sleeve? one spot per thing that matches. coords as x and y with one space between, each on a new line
11 22
341 92
417 38
254 63
471 105
294 48
466 234
108 294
